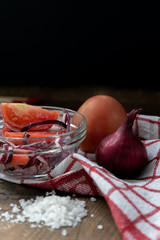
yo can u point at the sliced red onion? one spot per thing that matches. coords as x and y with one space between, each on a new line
43 122
5 157
38 160
66 119
33 146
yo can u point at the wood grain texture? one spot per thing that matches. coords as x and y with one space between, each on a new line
87 229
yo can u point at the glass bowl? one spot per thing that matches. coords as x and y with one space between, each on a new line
33 158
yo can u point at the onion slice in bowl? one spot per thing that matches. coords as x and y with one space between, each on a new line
43 122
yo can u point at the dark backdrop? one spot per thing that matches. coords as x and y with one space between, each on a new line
49 42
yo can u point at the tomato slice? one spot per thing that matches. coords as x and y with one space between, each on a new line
18 115
34 136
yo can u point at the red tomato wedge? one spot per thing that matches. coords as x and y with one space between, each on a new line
33 136
18 115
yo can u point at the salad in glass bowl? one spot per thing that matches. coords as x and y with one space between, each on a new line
34 139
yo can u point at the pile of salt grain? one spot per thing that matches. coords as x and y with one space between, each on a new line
52 211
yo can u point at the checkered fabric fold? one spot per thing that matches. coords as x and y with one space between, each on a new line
135 204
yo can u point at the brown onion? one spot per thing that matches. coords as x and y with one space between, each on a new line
122 153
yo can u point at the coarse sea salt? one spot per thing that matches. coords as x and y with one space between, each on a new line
100 226
93 199
64 232
50 210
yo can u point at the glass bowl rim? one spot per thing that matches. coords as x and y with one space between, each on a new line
77 130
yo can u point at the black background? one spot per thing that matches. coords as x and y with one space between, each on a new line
62 43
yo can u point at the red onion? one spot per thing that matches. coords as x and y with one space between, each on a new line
34 124
122 153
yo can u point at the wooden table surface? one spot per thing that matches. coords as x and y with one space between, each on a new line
87 229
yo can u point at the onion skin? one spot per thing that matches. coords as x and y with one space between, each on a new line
122 153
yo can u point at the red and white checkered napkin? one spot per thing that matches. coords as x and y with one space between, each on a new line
135 204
